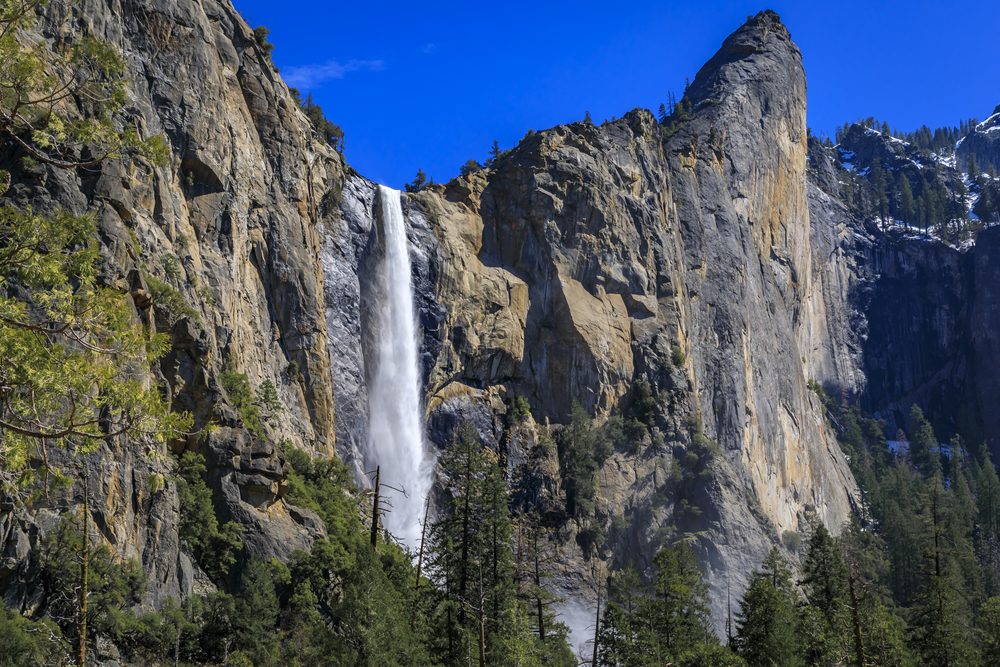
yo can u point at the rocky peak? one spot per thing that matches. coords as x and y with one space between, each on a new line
761 34
983 142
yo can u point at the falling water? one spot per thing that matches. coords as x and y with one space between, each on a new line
395 428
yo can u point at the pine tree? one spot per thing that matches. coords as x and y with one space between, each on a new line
765 635
989 615
986 206
988 497
906 203
470 557
418 183
256 614
941 620
495 154
975 173
680 600
923 444
72 368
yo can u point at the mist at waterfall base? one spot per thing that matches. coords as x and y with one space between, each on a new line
395 428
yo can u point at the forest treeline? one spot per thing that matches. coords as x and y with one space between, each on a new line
912 579
476 592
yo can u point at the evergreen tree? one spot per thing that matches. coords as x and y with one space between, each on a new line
975 173
679 605
418 183
880 201
765 625
495 154
470 167
941 620
986 206
73 366
256 615
580 455
988 496
470 558
906 204
923 444
989 623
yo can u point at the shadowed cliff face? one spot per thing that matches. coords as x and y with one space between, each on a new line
579 262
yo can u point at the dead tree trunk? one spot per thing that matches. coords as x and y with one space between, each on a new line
597 625
84 575
375 509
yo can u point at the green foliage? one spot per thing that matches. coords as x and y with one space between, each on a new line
214 548
989 614
267 396
474 605
765 625
255 615
72 358
114 584
664 623
792 540
86 71
419 182
520 409
677 357
237 386
171 269
645 406
470 167
495 154
328 131
25 643
581 452
923 445
169 300
260 34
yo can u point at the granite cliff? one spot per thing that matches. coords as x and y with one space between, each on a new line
230 222
579 262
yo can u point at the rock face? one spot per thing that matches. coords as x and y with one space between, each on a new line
579 262
230 221
983 143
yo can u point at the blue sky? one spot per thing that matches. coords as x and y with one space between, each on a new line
432 84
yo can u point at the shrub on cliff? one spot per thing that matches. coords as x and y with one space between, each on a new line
328 131
260 34
213 547
237 386
470 167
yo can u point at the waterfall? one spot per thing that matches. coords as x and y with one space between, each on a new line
395 427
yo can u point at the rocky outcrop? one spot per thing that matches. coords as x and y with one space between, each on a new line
983 143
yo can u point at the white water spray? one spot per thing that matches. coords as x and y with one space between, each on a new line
395 422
